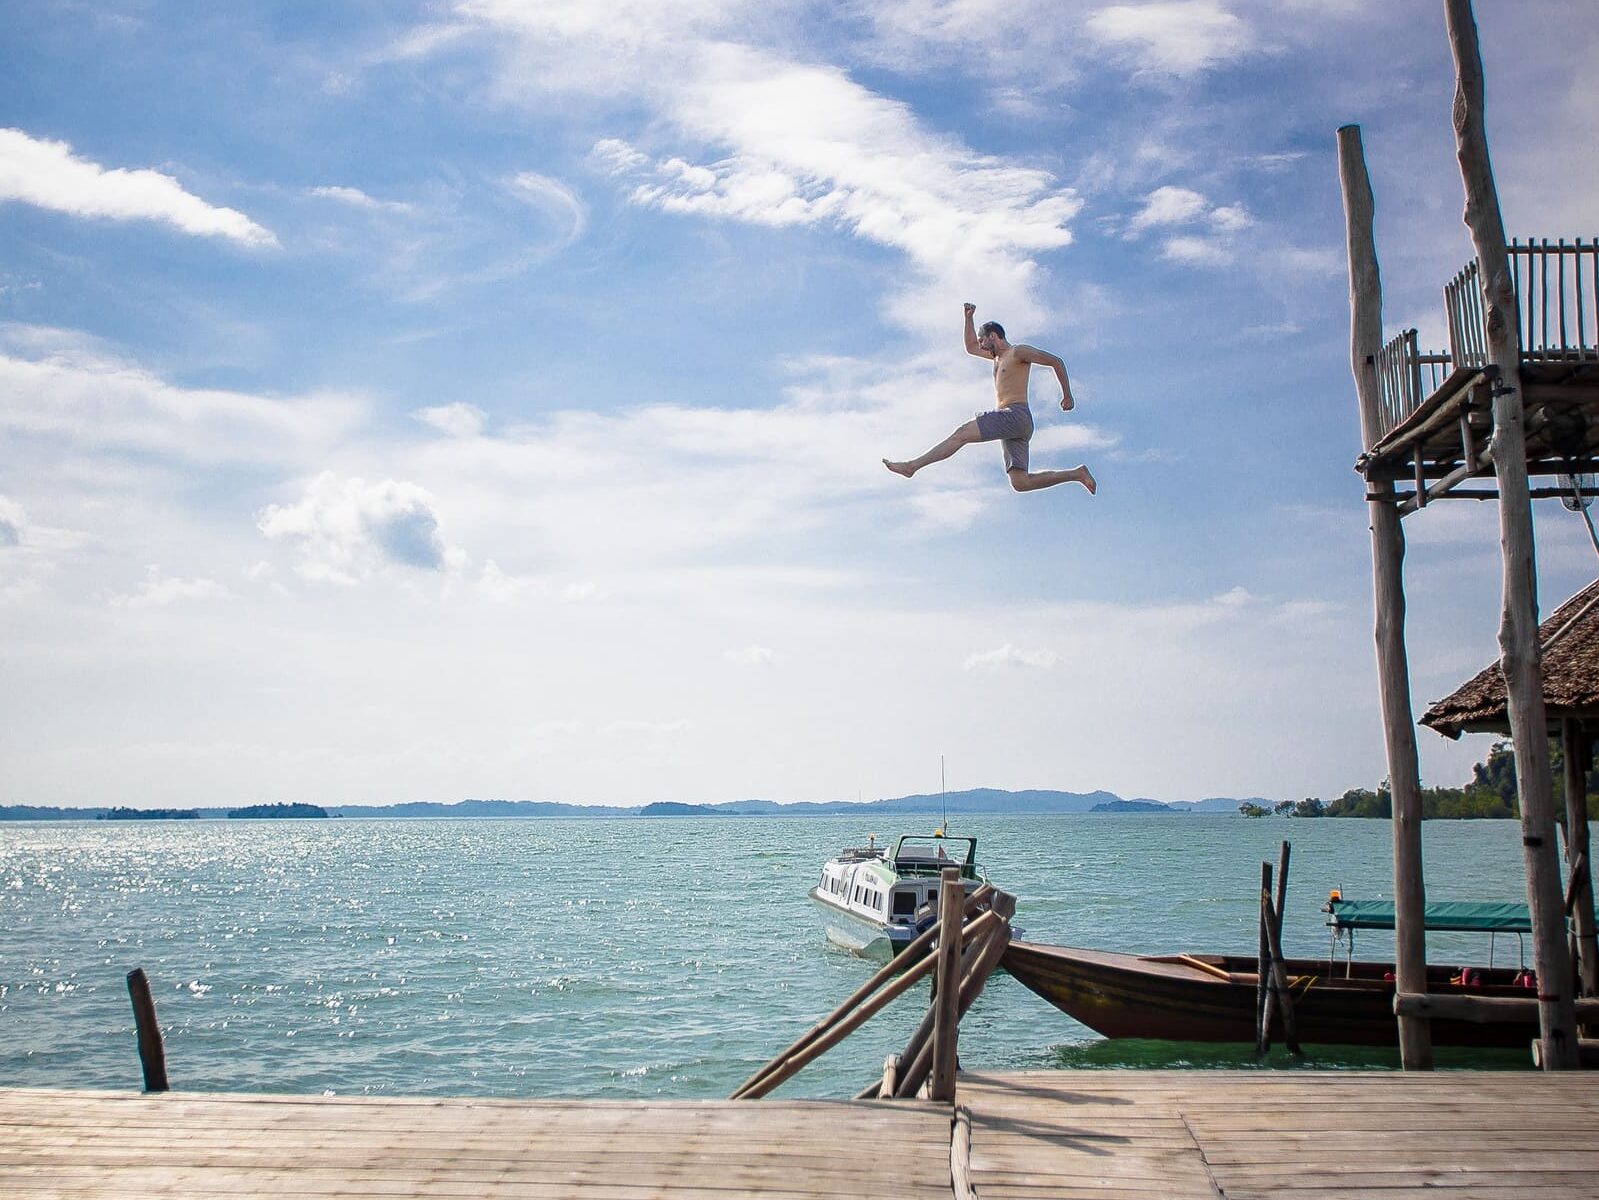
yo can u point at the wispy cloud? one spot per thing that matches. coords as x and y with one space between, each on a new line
1179 37
760 137
457 419
73 390
1010 656
159 591
48 175
1208 229
356 198
751 656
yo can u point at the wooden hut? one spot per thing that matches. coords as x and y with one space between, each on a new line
1568 645
1514 397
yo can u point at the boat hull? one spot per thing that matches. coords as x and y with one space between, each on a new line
859 935
1133 996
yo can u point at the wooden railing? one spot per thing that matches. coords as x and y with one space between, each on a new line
1564 325
1557 301
1407 376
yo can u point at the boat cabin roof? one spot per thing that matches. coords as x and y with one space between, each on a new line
928 854
1483 916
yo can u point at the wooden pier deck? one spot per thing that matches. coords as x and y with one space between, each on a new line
1064 1135
1320 1135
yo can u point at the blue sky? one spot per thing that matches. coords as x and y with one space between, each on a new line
422 401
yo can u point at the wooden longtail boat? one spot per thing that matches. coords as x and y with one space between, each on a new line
1211 997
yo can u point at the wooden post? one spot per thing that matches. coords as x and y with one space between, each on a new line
1263 1004
1578 750
1387 559
946 1006
152 1055
1518 626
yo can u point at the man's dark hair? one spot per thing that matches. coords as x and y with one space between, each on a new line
993 327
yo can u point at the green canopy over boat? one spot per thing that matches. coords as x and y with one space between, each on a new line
1483 916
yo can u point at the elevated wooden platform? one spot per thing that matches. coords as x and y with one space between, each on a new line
1064 1135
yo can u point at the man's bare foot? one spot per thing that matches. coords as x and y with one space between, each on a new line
1087 480
902 468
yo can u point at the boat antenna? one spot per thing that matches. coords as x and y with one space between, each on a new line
941 796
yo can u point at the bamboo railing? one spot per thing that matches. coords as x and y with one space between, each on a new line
971 935
1557 302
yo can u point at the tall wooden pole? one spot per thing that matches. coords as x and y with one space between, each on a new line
1388 585
1578 748
1518 625
946 976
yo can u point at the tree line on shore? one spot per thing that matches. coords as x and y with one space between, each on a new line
1491 794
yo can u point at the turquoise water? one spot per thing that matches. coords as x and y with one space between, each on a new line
608 958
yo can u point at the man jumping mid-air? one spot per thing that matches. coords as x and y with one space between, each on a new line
1011 422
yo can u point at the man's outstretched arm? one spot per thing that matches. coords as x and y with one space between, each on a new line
971 335
1044 358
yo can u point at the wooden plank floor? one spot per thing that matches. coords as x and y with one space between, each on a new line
1066 1135
1322 1135
99 1144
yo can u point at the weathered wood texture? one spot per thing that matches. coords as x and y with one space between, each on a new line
1518 627
86 1144
1387 561
1072 1135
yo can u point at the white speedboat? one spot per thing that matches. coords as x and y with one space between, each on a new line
875 901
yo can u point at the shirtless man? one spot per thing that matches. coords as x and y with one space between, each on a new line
1011 422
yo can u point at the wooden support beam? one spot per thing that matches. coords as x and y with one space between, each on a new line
1480 1010
1387 555
1518 627
1442 489
1577 749
1587 1054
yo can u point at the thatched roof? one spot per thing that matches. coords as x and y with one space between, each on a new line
1570 645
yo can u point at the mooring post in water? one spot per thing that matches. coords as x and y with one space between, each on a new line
1263 969
152 1055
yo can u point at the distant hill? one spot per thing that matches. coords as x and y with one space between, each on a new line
1037 802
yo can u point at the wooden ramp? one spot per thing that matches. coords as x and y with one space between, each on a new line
1323 1135
98 1144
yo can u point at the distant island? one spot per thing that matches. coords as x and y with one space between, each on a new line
257 812
147 814
997 801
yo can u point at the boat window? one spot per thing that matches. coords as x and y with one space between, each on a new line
904 904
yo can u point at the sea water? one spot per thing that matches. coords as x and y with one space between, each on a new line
650 957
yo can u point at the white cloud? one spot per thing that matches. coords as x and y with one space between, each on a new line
1210 229
348 529
751 656
356 198
1179 37
457 419
1168 206
767 139
69 389
1009 656
13 521
157 591
1195 251
48 175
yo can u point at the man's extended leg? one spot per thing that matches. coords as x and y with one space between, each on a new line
1031 481
964 436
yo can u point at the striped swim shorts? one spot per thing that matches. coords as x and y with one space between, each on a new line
1012 427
